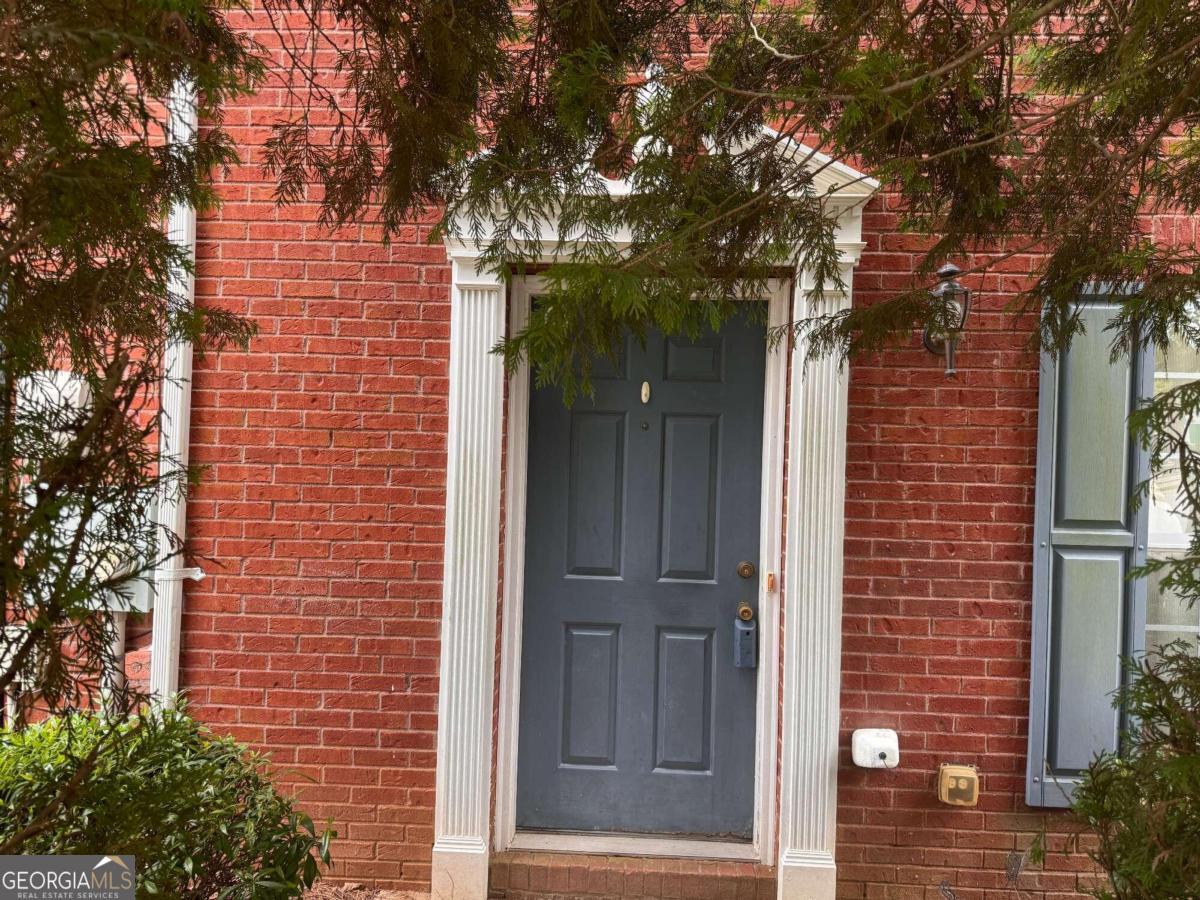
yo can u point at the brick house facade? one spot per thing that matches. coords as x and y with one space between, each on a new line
321 527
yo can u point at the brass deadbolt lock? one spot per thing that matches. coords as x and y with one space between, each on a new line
745 612
746 569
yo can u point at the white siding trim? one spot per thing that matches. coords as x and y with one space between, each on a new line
775 389
175 400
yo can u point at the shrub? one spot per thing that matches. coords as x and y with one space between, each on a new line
197 810
1144 805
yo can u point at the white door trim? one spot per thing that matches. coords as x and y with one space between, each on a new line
812 632
466 666
761 847
812 587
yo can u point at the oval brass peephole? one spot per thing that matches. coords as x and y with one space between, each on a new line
746 569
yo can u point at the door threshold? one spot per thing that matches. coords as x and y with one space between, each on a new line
617 844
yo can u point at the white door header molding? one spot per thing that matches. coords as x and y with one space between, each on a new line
842 190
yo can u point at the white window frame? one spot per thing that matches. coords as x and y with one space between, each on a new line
1170 541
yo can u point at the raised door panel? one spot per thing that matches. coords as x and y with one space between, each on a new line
698 360
589 694
597 490
688 517
683 700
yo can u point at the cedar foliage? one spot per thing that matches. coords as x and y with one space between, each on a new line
1144 805
87 175
1002 128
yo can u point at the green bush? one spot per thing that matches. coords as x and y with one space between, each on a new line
197 810
1144 805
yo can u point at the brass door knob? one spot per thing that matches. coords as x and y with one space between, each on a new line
745 612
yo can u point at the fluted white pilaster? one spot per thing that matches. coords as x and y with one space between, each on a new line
460 849
812 615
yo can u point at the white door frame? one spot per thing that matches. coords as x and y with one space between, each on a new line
803 837
506 836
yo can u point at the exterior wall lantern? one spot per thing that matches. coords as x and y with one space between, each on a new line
957 299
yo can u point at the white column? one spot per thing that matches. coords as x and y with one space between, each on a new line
470 583
812 614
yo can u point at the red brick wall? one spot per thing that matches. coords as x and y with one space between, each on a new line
319 519
319 523
936 628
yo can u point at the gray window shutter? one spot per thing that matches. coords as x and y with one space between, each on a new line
1087 613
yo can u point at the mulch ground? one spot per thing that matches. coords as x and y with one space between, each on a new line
332 890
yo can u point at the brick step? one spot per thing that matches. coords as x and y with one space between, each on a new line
523 875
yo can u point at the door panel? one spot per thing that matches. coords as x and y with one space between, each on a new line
597 464
633 717
698 360
589 695
691 448
683 700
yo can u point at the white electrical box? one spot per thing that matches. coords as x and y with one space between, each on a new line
875 748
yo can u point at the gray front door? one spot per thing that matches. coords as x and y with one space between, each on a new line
642 501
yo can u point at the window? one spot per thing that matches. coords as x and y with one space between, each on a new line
54 395
1168 618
